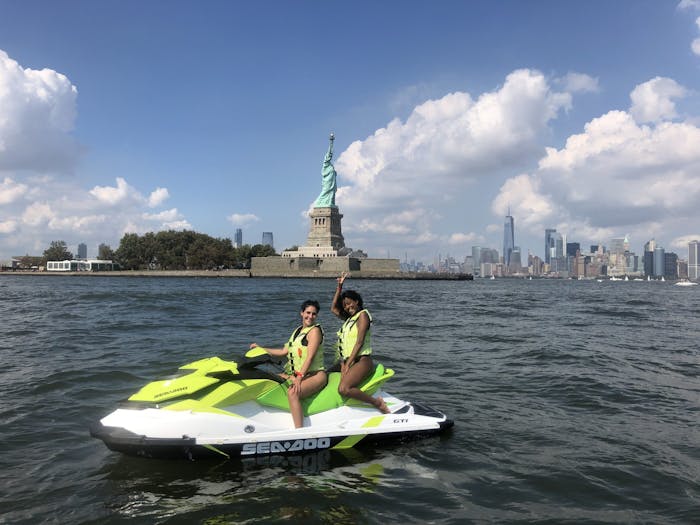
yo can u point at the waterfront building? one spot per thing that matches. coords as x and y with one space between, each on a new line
693 253
670 265
82 251
508 239
238 238
476 260
659 262
88 265
549 244
649 248
515 265
468 264
535 265
554 256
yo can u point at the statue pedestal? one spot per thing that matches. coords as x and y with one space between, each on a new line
325 231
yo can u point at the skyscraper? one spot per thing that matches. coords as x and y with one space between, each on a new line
659 261
693 253
82 251
548 244
508 239
649 248
238 239
267 239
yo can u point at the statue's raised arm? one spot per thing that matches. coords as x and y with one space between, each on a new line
328 185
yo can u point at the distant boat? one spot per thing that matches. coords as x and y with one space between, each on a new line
648 277
626 278
493 277
662 279
638 279
685 282
613 278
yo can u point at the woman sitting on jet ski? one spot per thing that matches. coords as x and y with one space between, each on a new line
304 350
354 344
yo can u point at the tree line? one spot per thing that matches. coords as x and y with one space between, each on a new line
171 250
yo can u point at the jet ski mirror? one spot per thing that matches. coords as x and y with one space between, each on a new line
255 352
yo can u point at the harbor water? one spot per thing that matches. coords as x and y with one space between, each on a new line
573 401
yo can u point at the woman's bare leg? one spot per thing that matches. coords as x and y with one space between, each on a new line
348 385
309 386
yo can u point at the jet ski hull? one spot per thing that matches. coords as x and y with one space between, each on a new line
368 429
220 410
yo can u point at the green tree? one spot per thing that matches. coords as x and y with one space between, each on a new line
179 250
57 251
129 254
105 253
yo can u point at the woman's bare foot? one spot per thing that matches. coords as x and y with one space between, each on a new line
381 405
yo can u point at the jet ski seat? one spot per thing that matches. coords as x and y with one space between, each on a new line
328 398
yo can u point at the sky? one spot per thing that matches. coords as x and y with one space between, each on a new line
129 116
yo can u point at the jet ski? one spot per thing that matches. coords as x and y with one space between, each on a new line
227 409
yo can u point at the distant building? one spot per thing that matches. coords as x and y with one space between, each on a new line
515 265
82 251
670 265
549 244
659 262
649 248
238 238
89 265
267 239
508 239
572 248
693 253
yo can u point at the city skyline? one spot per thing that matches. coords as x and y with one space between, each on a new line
215 117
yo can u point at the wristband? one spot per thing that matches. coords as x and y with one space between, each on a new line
298 374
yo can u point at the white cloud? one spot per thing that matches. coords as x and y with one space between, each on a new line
158 197
113 194
689 4
83 223
652 101
8 226
616 176
242 219
442 148
681 243
580 82
10 191
38 203
164 216
534 208
37 213
37 114
462 238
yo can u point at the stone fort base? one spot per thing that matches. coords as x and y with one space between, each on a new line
277 266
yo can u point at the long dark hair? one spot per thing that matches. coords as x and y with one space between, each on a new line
350 294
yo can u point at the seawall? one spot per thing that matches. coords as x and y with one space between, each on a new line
249 274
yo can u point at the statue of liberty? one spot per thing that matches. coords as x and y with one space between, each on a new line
328 185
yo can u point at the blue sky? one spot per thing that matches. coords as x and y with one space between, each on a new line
131 116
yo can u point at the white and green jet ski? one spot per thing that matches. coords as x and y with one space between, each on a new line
223 408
